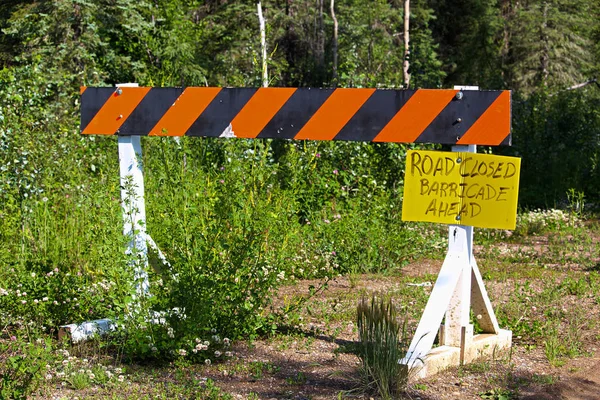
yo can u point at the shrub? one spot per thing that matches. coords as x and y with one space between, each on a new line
541 221
22 365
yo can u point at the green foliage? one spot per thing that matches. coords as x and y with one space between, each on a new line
48 297
551 44
472 46
238 219
576 202
382 345
24 365
557 137
425 66
497 394
81 42
538 222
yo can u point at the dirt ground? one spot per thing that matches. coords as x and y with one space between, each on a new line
315 357
317 361
318 367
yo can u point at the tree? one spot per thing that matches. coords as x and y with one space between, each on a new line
91 42
470 33
550 44
425 65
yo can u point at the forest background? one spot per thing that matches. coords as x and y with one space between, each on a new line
238 218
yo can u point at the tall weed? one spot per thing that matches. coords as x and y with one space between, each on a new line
382 343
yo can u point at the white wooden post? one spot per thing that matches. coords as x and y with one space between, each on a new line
134 208
134 228
439 300
458 313
458 288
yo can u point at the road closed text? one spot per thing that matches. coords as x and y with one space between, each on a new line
461 188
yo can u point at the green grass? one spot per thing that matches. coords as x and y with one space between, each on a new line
234 236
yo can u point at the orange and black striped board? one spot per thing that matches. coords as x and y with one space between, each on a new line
374 115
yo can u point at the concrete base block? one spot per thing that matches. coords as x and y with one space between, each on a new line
444 357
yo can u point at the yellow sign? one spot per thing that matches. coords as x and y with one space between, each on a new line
461 189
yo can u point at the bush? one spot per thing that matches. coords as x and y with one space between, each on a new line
557 138
537 222
22 365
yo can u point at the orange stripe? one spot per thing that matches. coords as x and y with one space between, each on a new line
186 109
82 89
415 116
493 126
259 110
331 117
115 111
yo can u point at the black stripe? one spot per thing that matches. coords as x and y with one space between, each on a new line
374 115
295 113
150 110
508 139
220 112
446 128
92 101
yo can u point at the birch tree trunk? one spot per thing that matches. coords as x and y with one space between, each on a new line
263 45
334 44
405 64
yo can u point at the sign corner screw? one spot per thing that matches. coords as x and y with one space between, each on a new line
459 95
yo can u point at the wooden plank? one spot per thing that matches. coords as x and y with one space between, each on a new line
447 116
